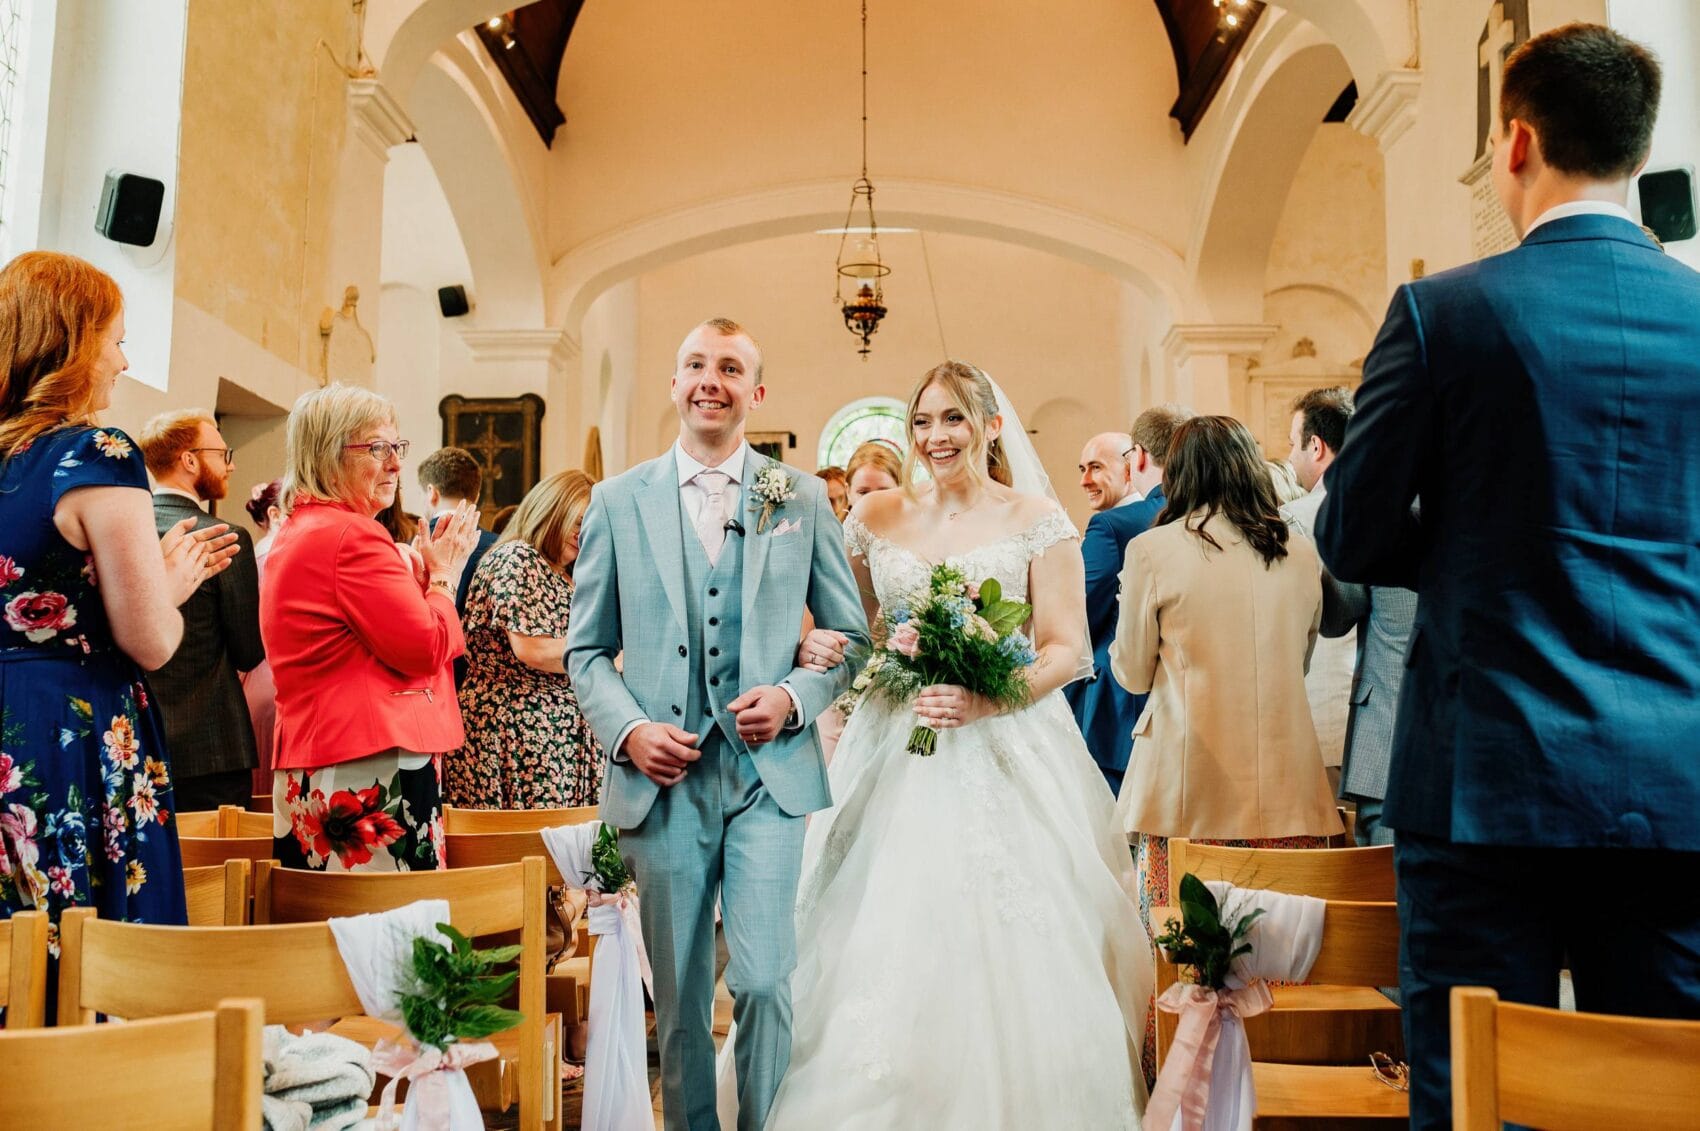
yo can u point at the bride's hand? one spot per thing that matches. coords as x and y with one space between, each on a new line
821 650
945 705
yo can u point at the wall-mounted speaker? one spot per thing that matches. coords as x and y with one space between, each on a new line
129 208
452 300
1667 203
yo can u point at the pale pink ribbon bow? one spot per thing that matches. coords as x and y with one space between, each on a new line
627 905
1184 1083
425 1066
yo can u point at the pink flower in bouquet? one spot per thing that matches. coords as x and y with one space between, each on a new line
979 626
906 639
972 591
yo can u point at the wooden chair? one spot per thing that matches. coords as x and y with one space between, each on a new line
1358 875
23 960
567 986
260 803
482 901
1569 1071
210 838
1309 1024
1360 947
513 820
218 893
172 1073
225 821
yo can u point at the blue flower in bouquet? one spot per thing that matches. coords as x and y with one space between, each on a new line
898 614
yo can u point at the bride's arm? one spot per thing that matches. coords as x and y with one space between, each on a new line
1057 588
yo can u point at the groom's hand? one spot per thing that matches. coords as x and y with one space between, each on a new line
760 711
662 752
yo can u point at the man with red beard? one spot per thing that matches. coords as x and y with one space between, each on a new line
208 733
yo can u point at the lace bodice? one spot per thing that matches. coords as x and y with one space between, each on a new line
900 573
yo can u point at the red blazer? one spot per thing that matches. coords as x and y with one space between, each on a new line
360 656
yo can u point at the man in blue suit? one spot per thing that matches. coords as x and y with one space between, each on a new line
1104 709
1547 746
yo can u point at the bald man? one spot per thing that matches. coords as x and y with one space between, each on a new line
1105 474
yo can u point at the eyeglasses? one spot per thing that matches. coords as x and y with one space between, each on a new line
229 454
1130 451
380 449
1396 1074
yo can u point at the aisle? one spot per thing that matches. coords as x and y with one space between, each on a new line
573 1094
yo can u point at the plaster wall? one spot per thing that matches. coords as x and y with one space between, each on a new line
671 104
1672 29
1054 334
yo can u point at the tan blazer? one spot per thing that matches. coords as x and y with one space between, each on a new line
1225 749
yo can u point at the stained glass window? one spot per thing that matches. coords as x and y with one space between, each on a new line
871 418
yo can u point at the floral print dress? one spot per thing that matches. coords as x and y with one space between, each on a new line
527 744
85 779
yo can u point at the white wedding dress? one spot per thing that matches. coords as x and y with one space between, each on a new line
970 954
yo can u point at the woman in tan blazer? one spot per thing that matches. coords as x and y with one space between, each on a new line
1219 610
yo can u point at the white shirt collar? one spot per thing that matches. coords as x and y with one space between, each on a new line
1133 496
733 466
1580 208
161 489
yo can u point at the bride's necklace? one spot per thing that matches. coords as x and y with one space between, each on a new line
950 516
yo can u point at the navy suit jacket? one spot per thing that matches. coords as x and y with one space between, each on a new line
1544 405
1105 710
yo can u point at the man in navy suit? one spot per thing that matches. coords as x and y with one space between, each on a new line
1546 762
1104 709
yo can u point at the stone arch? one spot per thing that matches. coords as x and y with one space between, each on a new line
1373 36
402 35
1288 84
1128 254
478 177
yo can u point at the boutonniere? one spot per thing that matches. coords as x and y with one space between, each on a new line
773 488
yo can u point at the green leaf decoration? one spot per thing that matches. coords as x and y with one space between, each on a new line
991 592
458 990
1201 940
1006 616
607 866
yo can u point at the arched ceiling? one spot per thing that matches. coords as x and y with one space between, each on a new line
527 44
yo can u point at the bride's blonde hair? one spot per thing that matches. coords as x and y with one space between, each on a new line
970 390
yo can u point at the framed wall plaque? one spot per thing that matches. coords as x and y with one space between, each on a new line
504 435
773 445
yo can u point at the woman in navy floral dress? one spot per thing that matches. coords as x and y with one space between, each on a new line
86 601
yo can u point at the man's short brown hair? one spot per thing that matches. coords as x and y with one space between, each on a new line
1154 430
169 435
728 328
453 472
1591 96
1325 413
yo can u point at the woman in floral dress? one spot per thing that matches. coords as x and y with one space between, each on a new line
527 745
87 601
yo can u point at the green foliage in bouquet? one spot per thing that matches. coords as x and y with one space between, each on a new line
457 991
959 633
1201 940
607 866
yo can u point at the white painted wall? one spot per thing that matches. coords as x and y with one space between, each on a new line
117 88
1672 29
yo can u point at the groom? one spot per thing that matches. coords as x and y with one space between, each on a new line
698 566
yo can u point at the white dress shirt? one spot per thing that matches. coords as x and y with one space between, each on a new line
1581 208
691 494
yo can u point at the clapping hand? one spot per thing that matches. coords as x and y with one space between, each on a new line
192 556
445 543
821 650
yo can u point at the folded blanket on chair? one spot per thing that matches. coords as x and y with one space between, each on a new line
331 1075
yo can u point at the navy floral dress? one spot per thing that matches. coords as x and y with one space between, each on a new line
85 784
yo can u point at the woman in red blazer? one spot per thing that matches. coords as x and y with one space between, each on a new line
361 634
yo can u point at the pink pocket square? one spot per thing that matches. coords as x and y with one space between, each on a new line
787 526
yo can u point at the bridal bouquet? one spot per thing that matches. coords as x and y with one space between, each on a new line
961 632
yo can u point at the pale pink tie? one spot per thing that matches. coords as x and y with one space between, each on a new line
711 519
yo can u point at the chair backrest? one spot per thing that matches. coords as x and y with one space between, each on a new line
207 851
23 969
482 901
192 1070
480 850
295 969
513 820
197 822
260 803
1568 1071
1360 946
218 893
1355 874
234 821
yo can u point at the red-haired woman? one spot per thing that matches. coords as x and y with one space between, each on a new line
86 603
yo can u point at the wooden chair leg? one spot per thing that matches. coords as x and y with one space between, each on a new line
1475 1068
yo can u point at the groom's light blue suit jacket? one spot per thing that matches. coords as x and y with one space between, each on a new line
630 598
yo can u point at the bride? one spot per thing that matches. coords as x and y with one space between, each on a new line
970 954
